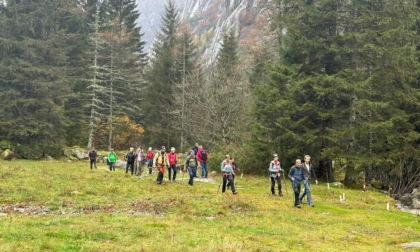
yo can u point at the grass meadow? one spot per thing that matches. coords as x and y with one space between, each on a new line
57 206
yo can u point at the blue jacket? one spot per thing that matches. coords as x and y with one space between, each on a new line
296 173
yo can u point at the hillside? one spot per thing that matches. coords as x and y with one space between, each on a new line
53 206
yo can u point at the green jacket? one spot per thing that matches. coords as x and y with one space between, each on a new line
112 157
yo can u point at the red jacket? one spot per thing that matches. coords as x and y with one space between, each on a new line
150 155
172 158
198 156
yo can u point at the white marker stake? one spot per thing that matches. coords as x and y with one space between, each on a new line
328 185
387 206
341 198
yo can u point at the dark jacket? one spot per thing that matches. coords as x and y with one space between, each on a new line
92 155
307 175
296 173
130 157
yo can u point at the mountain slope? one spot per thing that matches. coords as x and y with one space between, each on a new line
210 19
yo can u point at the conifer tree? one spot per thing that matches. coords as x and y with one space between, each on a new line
161 77
34 81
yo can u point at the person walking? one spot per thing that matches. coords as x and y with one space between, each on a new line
139 161
195 148
275 174
92 157
228 174
160 161
191 163
130 158
173 160
149 159
308 173
202 157
235 169
296 176
112 158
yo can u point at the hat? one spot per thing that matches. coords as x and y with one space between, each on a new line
275 155
172 148
150 148
163 148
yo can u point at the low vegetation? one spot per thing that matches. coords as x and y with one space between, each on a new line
55 206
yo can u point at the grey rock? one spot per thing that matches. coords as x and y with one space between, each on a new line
48 158
416 204
411 245
407 199
120 164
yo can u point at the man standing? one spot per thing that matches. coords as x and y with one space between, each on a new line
296 176
160 161
130 158
275 174
149 159
202 157
308 172
228 174
195 148
172 163
192 163
112 158
92 157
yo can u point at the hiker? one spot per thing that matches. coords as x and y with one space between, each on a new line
130 158
308 173
275 174
112 158
202 157
296 176
235 169
92 157
195 148
191 163
228 174
172 163
139 161
149 159
160 161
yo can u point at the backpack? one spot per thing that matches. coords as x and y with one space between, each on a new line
204 155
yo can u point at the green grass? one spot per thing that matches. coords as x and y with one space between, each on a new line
54 206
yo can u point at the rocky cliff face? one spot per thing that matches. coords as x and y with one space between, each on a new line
210 19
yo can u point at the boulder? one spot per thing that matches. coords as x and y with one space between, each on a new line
6 153
48 158
76 152
407 199
415 204
120 164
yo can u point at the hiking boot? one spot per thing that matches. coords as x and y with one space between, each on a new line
280 194
298 206
234 193
312 205
273 194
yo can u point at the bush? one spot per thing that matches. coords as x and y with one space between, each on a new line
39 150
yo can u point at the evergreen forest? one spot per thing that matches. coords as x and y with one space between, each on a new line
338 80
